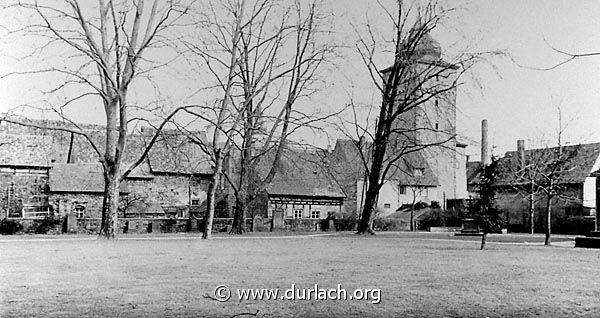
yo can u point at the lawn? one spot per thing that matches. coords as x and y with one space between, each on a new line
175 276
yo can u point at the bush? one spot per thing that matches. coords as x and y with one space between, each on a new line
346 222
387 224
47 224
169 225
435 218
10 227
573 225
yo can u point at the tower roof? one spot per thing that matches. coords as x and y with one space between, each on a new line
428 47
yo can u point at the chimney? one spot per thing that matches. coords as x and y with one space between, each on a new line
521 152
485 150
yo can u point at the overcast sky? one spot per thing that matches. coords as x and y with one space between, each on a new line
519 102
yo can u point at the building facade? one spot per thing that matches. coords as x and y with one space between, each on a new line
46 172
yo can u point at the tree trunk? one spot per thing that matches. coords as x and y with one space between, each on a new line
212 191
110 204
531 214
412 218
111 166
548 240
483 240
239 216
364 227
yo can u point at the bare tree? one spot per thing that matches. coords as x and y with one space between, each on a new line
543 174
410 89
264 56
416 189
522 172
106 47
557 165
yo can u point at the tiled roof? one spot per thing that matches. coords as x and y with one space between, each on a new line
301 173
473 172
350 162
28 150
173 153
79 178
581 166
142 171
28 146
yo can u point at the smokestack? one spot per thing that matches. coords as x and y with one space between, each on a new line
521 152
485 150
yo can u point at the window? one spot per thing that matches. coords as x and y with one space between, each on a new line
402 189
79 211
315 214
195 202
387 205
437 126
297 214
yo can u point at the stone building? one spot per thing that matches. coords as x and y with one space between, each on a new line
45 172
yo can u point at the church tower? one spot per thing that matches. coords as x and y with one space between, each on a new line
432 122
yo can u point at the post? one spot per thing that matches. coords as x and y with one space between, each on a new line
596 225
521 153
485 150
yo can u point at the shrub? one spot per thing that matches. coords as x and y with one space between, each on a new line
573 225
10 227
169 225
47 224
347 222
435 218
387 224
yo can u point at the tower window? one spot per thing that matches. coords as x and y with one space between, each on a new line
437 126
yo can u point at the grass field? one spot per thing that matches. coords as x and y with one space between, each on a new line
427 275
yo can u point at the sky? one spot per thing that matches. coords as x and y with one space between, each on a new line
518 100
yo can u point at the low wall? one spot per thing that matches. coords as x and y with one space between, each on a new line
157 225
444 229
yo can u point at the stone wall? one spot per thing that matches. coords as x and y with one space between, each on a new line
173 194
65 203
302 225
58 225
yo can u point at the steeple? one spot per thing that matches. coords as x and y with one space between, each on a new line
427 47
